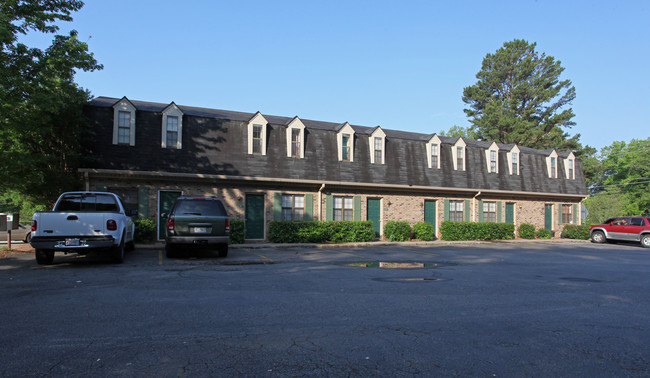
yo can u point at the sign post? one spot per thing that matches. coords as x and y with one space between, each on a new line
10 220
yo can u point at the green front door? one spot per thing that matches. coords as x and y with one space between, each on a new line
430 214
254 216
374 215
166 199
510 212
548 217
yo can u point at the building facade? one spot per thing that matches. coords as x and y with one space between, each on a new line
268 168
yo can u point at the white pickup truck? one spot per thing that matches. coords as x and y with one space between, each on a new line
81 222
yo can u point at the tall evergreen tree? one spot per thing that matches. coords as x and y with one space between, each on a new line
41 120
520 98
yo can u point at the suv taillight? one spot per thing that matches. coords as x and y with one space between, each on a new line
227 225
34 225
170 224
111 225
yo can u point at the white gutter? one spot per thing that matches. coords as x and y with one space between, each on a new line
320 202
474 207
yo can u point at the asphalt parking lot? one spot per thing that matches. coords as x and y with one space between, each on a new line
487 309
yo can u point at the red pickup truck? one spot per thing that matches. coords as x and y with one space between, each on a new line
623 228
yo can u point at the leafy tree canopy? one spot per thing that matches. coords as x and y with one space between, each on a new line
41 119
459 131
520 98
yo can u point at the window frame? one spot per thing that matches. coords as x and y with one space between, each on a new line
296 213
125 106
490 215
454 214
170 112
340 210
257 120
568 214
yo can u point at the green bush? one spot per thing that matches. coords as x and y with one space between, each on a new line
397 231
572 231
476 231
320 232
237 231
145 230
543 233
423 231
527 231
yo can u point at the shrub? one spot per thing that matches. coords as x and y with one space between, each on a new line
527 231
572 231
423 231
397 231
476 231
237 231
320 232
145 230
543 233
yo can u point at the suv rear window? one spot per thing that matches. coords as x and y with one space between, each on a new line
209 208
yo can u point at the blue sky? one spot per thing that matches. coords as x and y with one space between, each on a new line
399 64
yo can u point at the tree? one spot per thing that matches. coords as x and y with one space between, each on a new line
519 98
622 183
41 120
459 131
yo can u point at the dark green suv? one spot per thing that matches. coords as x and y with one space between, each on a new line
197 222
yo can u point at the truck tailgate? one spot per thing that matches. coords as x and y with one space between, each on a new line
71 223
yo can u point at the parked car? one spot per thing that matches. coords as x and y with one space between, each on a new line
81 222
23 233
636 229
197 222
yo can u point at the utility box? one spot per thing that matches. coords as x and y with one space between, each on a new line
9 221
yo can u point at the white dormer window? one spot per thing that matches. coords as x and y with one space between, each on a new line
257 135
345 142
569 167
124 122
514 157
377 144
433 152
551 164
172 127
296 138
458 153
491 157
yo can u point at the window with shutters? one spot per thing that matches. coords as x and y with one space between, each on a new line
567 213
456 211
293 207
490 212
343 208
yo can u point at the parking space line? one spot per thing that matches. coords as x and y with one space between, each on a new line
262 256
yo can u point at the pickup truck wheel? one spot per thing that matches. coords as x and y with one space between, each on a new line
118 252
598 237
44 256
645 240
222 250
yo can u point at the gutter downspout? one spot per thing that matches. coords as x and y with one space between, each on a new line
474 206
320 202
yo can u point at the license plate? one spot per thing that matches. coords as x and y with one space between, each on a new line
72 242
199 230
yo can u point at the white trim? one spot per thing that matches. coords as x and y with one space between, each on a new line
296 123
549 166
571 159
172 111
454 154
488 157
258 119
378 133
124 105
434 140
346 129
514 150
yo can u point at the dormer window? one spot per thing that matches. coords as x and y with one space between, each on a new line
492 155
514 157
433 152
172 127
551 164
295 139
124 122
345 142
377 143
257 135
569 166
458 154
